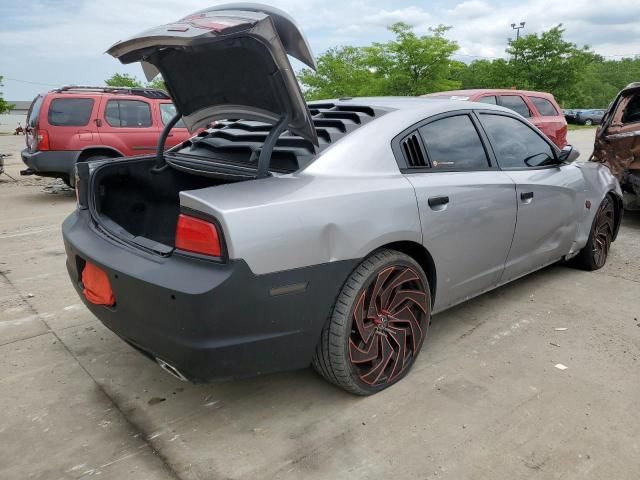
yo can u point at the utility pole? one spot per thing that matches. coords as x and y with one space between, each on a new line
517 29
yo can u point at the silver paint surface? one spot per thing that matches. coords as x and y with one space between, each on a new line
353 199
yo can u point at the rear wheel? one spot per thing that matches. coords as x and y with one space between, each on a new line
378 324
594 255
588 122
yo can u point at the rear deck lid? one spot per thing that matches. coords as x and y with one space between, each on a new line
228 61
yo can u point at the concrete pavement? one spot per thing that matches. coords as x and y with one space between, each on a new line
484 400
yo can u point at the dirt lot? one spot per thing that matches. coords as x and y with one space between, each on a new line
484 400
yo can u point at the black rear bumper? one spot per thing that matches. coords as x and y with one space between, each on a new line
50 163
207 320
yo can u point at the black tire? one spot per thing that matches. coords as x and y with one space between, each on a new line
375 333
594 254
588 122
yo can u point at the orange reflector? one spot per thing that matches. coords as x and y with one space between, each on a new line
199 236
97 288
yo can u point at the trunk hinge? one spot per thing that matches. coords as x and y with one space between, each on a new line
161 164
270 142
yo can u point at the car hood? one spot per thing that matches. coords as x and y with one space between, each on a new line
228 61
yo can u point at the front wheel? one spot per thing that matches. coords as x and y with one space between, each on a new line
377 326
594 254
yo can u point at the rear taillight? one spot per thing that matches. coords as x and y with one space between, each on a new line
198 236
42 140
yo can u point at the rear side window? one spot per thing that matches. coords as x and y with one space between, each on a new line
34 111
632 112
544 106
128 113
515 144
515 103
167 112
70 112
490 99
452 143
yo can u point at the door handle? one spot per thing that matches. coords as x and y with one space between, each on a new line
526 197
435 202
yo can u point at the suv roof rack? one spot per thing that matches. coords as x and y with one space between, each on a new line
143 92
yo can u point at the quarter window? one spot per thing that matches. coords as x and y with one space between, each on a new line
490 99
453 143
544 106
128 113
515 144
515 103
70 112
632 112
167 112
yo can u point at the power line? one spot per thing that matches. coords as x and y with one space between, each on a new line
28 81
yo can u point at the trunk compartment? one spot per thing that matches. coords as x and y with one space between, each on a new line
139 206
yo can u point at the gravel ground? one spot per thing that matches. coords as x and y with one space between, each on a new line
484 400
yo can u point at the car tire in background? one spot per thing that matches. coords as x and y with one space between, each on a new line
378 324
588 122
594 254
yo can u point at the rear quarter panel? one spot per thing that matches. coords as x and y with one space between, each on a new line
69 137
294 221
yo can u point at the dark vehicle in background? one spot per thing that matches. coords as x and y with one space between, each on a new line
570 115
589 117
618 143
540 108
77 124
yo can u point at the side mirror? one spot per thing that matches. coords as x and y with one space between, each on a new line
568 154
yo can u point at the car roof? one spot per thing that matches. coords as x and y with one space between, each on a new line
426 106
150 93
480 91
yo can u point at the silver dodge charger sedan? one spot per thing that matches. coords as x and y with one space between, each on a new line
328 233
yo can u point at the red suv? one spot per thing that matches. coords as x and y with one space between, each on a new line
540 108
78 124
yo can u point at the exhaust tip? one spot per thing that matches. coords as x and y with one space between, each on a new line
171 370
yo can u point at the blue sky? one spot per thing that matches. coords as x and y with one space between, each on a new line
48 43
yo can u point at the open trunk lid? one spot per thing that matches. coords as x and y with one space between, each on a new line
228 61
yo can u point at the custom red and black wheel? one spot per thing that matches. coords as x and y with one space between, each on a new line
378 325
595 253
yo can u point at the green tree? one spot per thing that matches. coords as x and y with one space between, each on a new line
123 80
486 74
4 105
158 83
548 63
407 65
341 72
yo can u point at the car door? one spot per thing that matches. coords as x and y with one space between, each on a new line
549 194
467 206
618 139
129 126
179 133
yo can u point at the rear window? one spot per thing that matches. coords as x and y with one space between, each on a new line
70 112
544 106
167 112
516 103
34 111
490 99
128 113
